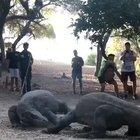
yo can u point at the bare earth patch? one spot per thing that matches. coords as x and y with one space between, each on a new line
47 75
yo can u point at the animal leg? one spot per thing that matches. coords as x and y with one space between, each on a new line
49 115
132 131
33 118
107 118
13 116
63 122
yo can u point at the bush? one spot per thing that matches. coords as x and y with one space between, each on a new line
91 60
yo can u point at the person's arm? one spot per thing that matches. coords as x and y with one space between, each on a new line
134 58
122 56
82 62
116 71
72 62
32 60
118 74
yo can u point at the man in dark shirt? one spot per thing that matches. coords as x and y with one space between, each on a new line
77 63
26 61
13 60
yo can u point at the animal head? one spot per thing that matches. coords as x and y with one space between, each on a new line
63 108
13 116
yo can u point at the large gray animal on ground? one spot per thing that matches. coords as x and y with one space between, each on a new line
32 109
102 112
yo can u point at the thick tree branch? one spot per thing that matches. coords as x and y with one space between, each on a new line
24 31
25 5
21 17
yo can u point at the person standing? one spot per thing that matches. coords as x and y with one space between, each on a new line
13 65
77 63
0 64
128 68
26 61
107 74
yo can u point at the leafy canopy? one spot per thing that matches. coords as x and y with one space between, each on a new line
101 16
30 17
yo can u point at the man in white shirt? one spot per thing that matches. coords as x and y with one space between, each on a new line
128 68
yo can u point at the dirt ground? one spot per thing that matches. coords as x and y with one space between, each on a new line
47 75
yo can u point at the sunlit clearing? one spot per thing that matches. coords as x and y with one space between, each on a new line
61 48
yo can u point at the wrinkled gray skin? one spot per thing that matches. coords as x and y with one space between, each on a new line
102 112
33 108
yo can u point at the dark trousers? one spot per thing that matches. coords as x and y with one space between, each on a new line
26 82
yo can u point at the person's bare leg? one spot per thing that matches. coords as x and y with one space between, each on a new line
125 86
6 82
134 89
102 87
74 81
16 83
81 85
12 84
116 88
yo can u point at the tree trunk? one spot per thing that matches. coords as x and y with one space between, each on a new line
101 50
103 41
22 34
2 43
4 10
99 60
2 49
2 53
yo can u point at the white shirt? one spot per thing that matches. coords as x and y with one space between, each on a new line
128 62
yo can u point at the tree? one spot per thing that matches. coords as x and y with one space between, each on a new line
116 47
130 33
99 18
91 60
27 15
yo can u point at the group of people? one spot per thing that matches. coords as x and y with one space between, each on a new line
108 71
20 66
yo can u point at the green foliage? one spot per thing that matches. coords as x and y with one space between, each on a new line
99 17
15 26
116 47
70 5
41 31
96 15
35 12
91 60
130 33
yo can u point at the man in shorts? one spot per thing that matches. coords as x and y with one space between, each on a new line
128 68
107 73
77 63
13 60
